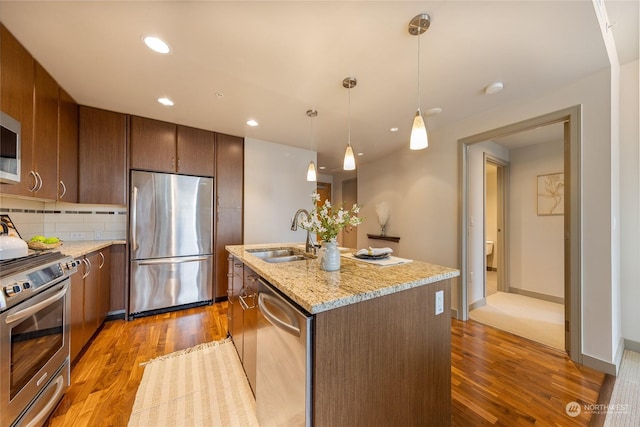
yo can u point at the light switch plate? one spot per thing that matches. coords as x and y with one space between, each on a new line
439 302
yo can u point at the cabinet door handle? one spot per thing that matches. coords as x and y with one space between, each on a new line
86 268
35 182
64 189
39 179
101 261
173 163
178 165
242 297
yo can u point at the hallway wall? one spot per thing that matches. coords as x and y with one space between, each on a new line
536 243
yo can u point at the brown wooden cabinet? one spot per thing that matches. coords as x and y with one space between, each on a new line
67 148
195 150
102 157
90 299
243 315
45 135
153 145
234 313
77 312
165 147
229 204
249 304
16 99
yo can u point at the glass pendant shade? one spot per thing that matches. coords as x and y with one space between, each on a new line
349 159
311 172
419 138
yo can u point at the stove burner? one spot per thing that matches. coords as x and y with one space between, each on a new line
17 265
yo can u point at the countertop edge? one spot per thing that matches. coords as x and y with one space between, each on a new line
239 251
78 248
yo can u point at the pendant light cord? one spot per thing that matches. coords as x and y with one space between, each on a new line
419 36
349 136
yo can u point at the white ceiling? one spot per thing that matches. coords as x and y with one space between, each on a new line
272 61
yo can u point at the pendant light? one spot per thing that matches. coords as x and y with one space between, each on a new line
418 25
311 171
349 160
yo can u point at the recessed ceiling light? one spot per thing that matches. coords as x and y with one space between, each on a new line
219 95
252 123
360 154
433 111
494 87
393 130
165 101
322 167
156 44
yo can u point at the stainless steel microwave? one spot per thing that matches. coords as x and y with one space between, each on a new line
9 149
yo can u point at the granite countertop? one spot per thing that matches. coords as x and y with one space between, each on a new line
316 290
77 248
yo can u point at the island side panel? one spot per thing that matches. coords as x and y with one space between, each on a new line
384 361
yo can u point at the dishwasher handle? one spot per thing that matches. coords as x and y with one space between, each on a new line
275 321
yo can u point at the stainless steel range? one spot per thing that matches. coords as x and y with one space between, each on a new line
34 336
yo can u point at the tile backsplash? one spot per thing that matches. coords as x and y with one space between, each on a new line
67 221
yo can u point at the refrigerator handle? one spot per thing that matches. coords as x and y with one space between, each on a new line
134 218
172 260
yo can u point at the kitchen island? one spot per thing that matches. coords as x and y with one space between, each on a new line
380 353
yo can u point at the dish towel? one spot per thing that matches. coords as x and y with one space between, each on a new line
375 251
391 260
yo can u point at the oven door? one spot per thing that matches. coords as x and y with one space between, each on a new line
34 344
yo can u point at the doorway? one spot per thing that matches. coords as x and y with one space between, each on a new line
496 173
570 120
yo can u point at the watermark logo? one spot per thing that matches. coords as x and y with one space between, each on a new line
573 409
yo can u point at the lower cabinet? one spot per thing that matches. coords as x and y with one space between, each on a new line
243 315
90 297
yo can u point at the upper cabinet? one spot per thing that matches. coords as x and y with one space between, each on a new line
67 148
16 99
45 135
165 147
48 120
103 157
196 151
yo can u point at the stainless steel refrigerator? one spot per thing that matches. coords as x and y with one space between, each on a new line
171 241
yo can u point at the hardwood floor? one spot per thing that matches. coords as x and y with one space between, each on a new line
104 379
497 378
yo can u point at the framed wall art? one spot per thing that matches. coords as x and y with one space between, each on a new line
551 194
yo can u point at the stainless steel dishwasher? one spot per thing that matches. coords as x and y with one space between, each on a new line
283 377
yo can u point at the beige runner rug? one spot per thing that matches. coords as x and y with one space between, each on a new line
199 386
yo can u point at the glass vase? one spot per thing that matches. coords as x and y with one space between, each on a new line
330 256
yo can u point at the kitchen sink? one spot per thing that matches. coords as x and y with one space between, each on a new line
279 255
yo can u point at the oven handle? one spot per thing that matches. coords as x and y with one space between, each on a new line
37 420
19 315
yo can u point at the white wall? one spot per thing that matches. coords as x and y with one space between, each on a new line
629 202
536 243
424 189
275 187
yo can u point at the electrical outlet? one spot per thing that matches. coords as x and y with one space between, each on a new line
98 234
77 236
439 302
471 277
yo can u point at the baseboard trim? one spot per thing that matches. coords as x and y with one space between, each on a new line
599 365
478 304
454 313
530 294
632 345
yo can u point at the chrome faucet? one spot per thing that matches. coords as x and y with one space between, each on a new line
309 246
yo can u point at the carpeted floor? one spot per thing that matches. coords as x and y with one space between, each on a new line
537 320
624 407
195 387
